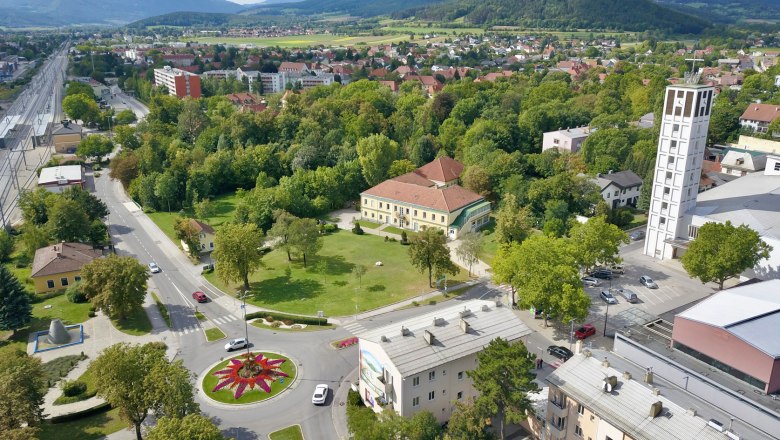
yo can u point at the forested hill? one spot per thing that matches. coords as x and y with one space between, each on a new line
358 8
629 15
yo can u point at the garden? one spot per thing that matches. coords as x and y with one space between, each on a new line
249 378
327 284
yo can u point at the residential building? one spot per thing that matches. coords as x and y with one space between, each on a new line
619 189
427 197
569 140
57 179
58 266
66 136
759 116
420 363
179 59
273 82
179 82
610 398
685 119
310 81
739 162
206 235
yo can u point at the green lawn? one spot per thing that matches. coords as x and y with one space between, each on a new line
368 224
438 298
61 308
93 427
88 377
214 334
489 243
328 285
289 433
137 324
395 230
225 395
163 310
308 328
224 206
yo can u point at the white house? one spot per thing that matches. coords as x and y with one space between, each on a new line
421 363
569 140
619 189
57 179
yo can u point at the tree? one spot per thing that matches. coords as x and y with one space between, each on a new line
192 426
22 388
67 220
304 236
15 308
722 251
280 231
191 121
504 377
429 251
376 153
6 245
400 167
423 151
138 379
187 233
81 107
125 117
79 88
125 136
115 285
237 252
91 205
94 146
358 271
469 248
124 167
34 205
204 209
468 422
596 241
422 426
34 237
513 224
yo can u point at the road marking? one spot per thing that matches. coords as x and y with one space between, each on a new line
183 296
219 321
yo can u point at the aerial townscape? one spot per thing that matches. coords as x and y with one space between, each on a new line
565 214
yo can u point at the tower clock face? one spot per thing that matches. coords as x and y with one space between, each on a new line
679 102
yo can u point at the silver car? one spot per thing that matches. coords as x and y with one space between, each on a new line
647 282
235 344
590 282
154 268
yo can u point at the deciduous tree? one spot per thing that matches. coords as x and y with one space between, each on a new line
469 248
504 377
115 285
15 308
91 205
722 251
192 426
21 394
67 221
34 237
304 237
81 107
468 422
125 136
513 224
6 245
237 252
358 271
94 146
187 233
280 231
376 152
596 241
428 251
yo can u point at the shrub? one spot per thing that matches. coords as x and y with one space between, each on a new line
288 322
75 295
415 303
96 167
269 318
330 228
387 238
91 314
273 316
276 324
357 229
105 406
404 238
432 302
353 398
73 388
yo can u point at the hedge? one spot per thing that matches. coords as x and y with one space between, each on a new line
309 320
103 407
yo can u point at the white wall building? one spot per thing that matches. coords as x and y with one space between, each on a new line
684 123
421 363
569 140
619 189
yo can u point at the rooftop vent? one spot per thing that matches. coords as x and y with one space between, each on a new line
655 409
605 362
384 338
465 312
485 307
464 326
609 384
429 338
404 331
626 375
438 322
499 303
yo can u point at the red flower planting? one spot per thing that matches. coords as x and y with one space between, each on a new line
251 371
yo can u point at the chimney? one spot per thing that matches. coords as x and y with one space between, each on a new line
404 331
438 322
655 409
429 338
464 325
384 338
649 375
605 362
485 307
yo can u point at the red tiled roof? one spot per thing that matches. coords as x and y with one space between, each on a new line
414 179
761 112
201 227
443 169
447 199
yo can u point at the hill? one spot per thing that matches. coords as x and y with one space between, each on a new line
357 8
15 13
210 20
728 11
627 15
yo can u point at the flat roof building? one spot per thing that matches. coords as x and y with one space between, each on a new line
57 179
180 83
421 363
569 140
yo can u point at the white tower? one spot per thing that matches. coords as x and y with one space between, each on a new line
684 124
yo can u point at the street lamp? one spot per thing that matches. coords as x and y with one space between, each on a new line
606 314
244 294
571 333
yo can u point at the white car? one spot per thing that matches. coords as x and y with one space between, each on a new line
154 267
590 282
235 344
320 394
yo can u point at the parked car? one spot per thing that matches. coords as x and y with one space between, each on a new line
200 297
584 331
647 282
235 344
629 295
637 235
604 274
320 394
560 352
538 314
608 298
154 268
617 268
590 282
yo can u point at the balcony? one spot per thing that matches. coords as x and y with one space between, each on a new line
558 409
556 432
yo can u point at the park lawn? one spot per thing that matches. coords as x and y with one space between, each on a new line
68 312
224 206
489 244
368 224
214 334
328 284
137 324
92 427
289 433
395 230
308 328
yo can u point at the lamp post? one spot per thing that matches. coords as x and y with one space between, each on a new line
244 294
571 333
606 314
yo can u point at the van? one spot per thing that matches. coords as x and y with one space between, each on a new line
628 295
617 268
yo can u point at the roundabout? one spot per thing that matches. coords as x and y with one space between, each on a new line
248 378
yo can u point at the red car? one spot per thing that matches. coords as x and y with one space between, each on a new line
200 297
584 331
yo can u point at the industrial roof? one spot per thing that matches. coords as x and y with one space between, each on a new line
411 354
627 407
753 200
70 173
748 312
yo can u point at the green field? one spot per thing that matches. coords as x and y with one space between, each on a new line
289 433
224 206
93 427
214 334
439 31
306 40
328 285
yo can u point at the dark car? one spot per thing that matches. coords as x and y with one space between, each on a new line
637 235
538 314
560 352
200 297
604 274
584 331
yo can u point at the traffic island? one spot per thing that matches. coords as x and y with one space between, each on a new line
248 378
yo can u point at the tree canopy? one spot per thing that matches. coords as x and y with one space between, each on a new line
15 307
428 251
237 252
115 285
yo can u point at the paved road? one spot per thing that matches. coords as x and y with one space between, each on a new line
317 362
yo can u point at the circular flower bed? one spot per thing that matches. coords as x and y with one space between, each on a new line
249 377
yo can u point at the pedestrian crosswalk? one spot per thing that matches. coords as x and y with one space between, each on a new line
187 330
224 319
354 327
194 328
